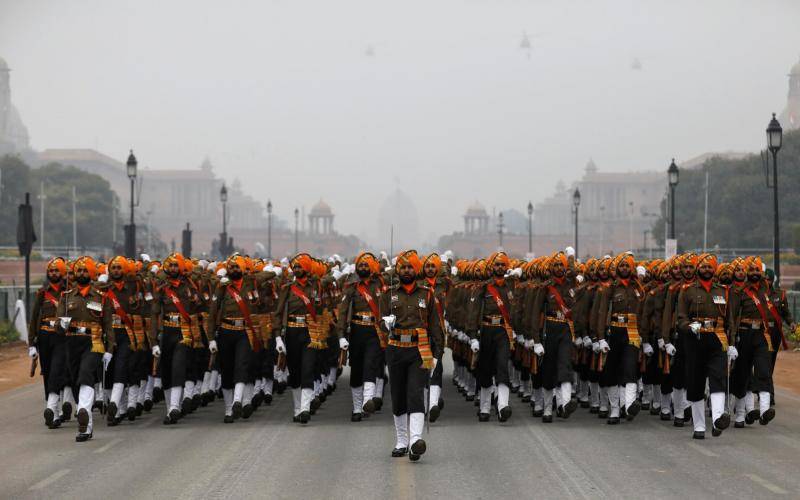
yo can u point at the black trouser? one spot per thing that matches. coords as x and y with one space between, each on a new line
141 360
268 360
365 355
677 372
52 361
751 371
234 356
83 365
705 359
556 364
121 368
408 380
201 358
582 366
493 356
773 356
300 359
622 361
436 377
173 358
652 373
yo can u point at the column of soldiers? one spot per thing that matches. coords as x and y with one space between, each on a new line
680 338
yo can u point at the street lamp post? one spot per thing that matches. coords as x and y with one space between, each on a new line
269 229
296 217
672 177
41 197
530 227
223 238
500 229
130 235
774 143
576 202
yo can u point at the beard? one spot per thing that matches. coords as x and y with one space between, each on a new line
499 274
406 279
53 279
706 276
362 273
753 278
236 275
83 280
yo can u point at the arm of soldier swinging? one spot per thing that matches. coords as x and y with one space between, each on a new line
108 325
472 320
666 317
33 326
683 317
733 315
384 308
784 310
213 313
646 320
155 316
342 310
536 311
579 314
277 315
603 300
435 330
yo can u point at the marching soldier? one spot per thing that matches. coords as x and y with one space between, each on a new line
85 317
701 317
489 323
415 343
174 300
48 345
438 286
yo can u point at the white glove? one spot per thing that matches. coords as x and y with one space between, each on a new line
454 271
65 321
384 255
695 327
529 343
285 261
337 274
153 269
587 342
435 362
569 251
517 271
387 269
604 345
277 270
103 278
221 273
579 278
732 353
474 345
203 264
446 325
661 344
394 261
670 349
538 349
212 346
389 321
156 351
647 349
32 352
106 360
596 347
343 344
641 272
212 266
145 257
578 341
224 280
279 345
520 339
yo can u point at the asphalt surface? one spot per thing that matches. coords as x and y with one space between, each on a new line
268 456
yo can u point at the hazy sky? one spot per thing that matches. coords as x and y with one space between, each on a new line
283 95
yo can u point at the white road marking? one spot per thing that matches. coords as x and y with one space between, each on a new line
108 445
50 479
766 484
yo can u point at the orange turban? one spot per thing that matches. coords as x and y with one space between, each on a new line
709 258
122 261
371 261
433 259
625 257
691 259
497 257
754 261
58 263
174 257
411 257
559 257
239 261
304 261
87 263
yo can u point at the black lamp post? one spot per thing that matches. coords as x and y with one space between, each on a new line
530 227
296 218
672 176
223 238
269 229
576 202
774 143
130 230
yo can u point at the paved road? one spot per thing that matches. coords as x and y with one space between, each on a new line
332 458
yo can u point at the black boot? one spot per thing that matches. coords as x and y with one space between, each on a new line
434 413
417 450
399 452
111 414
767 416
66 411
237 410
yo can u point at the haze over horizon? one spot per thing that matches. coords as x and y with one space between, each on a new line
348 100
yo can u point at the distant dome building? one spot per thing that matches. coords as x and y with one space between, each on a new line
790 118
13 133
476 219
400 212
320 219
